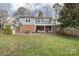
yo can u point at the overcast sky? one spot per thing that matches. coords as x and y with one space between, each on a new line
12 7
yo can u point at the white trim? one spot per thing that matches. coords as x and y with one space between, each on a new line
43 24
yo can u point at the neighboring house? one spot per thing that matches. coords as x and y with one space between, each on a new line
35 24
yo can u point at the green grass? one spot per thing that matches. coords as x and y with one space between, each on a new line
39 45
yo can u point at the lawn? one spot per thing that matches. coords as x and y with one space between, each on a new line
38 45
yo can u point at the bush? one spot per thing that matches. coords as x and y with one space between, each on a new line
7 29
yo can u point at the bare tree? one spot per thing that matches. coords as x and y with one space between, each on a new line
57 8
21 11
3 17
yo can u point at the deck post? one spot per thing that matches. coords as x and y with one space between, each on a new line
44 28
51 28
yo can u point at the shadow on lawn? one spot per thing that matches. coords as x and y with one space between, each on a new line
67 36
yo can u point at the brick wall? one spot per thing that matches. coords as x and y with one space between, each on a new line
27 28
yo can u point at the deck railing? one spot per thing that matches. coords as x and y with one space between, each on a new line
43 22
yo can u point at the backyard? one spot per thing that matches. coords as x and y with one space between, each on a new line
38 45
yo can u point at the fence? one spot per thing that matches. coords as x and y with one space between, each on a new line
71 31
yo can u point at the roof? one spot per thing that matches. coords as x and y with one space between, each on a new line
45 17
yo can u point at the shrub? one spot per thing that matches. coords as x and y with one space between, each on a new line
7 29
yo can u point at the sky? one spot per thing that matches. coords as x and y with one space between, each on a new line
15 6
12 7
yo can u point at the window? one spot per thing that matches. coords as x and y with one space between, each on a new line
38 20
28 20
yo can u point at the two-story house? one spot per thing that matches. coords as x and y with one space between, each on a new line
36 24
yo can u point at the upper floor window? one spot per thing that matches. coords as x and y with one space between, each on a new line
38 20
28 20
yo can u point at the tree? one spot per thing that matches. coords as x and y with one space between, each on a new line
7 29
3 17
21 11
57 8
69 15
3 14
40 14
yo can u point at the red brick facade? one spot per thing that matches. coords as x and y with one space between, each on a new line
27 28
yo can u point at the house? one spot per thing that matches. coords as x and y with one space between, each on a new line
35 24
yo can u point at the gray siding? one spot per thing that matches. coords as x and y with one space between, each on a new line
23 21
33 21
